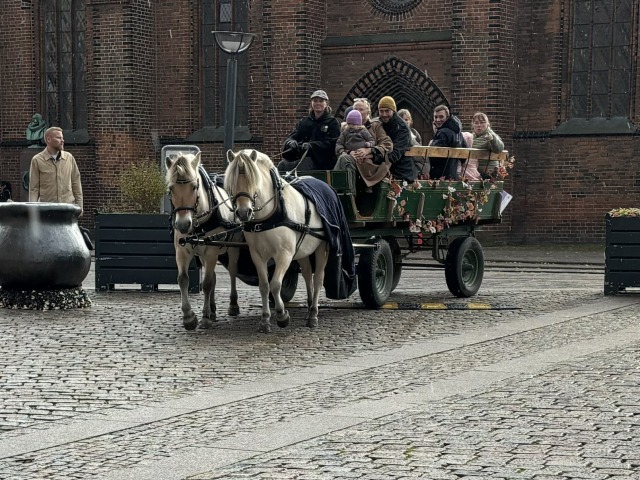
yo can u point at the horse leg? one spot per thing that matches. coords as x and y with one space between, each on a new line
189 319
208 288
234 309
322 254
282 315
263 285
307 274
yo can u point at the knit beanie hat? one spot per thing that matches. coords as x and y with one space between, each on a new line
387 102
354 118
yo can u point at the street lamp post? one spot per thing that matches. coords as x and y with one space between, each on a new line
231 43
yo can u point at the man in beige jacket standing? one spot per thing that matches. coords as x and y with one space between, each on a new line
54 175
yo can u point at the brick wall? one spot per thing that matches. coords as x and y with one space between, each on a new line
507 58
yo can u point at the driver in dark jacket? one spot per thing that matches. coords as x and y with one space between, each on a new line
312 144
402 167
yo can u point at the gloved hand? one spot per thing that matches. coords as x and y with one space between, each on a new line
305 146
291 144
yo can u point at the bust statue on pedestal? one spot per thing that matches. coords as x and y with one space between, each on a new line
35 129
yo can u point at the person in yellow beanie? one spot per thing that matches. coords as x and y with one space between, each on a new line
402 167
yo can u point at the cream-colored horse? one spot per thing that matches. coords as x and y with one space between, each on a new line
199 207
279 224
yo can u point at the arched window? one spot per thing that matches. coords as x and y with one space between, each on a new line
229 15
64 63
602 59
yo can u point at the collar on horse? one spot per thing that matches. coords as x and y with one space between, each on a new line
279 218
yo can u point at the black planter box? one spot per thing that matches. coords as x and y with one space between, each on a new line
133 248
622 254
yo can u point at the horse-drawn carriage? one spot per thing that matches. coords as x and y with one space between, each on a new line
386 223
393 220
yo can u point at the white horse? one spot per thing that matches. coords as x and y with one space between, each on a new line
199 208
279 224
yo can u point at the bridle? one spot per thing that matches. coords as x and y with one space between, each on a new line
193 209
252 198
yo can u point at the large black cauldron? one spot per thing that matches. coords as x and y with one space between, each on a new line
41 247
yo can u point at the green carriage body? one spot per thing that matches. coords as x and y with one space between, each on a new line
389 221
425 201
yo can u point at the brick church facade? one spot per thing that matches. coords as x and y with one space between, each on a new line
557 78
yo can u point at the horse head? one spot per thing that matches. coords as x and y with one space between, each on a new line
248 182
184 185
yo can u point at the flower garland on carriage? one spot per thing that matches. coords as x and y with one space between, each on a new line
463 205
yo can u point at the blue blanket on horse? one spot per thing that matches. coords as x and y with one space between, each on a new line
340 274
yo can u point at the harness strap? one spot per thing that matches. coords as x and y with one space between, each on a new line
279 217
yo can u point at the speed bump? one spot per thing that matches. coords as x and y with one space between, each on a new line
412 306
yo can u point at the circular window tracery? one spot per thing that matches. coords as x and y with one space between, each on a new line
395 7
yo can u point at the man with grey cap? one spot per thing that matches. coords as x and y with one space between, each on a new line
312 144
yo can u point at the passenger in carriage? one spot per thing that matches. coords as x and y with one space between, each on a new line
422 163
312 144
354 136
485 138
370 162
402 167
469 169
447 133
404 114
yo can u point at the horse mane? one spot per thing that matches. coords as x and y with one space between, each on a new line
181 169
255 171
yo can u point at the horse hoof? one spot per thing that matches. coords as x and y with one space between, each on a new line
191 324
234 310
312 322
205 323
283 320
264 328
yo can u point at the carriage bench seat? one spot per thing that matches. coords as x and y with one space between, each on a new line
463 154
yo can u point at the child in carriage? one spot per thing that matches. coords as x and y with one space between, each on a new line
354 136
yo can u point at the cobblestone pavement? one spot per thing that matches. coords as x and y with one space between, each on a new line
546 386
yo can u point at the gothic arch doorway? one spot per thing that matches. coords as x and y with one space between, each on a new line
409 87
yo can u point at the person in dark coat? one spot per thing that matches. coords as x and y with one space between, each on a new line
447 133
5 191
402 167
312 144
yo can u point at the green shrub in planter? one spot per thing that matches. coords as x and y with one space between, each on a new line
143 186
625 212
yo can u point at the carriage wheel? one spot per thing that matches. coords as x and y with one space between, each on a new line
375 275
397 262
464 267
